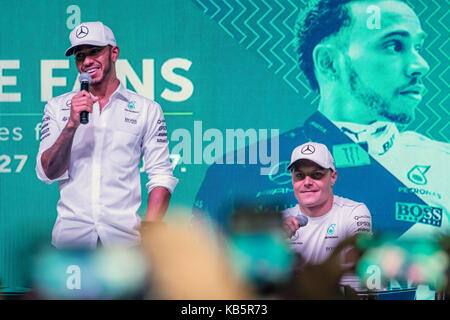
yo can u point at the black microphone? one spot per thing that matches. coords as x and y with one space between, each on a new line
302 220
85 80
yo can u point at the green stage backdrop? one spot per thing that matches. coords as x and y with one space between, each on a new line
211 64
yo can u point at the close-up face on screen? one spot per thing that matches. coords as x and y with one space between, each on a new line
224 150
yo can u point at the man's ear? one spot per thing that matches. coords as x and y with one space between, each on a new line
333 177
292 177
115 53
326 61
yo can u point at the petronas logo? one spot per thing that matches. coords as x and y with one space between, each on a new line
132 105
331 229
417 174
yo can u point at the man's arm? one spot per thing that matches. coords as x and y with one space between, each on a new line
157 164
290 225
157 204
56 159
360 222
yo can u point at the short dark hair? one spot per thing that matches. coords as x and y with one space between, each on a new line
319 20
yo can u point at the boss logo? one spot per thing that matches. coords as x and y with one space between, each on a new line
132 121
415 212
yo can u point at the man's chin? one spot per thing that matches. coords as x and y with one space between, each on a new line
96 82
402 118
308 202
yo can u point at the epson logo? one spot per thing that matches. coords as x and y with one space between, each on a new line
415 212
363 223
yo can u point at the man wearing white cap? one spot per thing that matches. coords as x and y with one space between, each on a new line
329 218
96 163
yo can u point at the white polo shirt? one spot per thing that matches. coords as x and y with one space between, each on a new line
420 164
100 193
315 241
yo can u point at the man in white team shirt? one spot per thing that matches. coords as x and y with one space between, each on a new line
97 164
331 218
370 80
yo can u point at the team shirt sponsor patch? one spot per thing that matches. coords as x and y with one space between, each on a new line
132 121
331 232
162 131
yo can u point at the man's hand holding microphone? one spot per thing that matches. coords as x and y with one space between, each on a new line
82 103
292 224
55 160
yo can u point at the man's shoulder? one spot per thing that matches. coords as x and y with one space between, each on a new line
412 139
351 211
292 211
139 98
65 97
346 203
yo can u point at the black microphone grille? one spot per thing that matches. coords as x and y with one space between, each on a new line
85 77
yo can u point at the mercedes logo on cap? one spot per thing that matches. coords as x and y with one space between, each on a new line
82 32
308 149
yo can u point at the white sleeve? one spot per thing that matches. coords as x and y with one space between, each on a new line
50 131
360 220
156 151
291 212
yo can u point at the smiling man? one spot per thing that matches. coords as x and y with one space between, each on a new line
365 60
368 73
369 69
370 79
97 164
313 177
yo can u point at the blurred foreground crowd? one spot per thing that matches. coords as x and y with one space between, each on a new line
253 260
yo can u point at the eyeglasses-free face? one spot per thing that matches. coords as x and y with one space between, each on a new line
98 61
317 174
81 54
313 185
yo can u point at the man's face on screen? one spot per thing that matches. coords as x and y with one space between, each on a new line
383 66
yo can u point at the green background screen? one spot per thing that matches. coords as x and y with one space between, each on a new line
229 64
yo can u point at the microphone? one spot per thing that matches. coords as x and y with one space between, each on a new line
302 220
85 80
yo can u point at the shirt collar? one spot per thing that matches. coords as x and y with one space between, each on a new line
380 136
121 93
